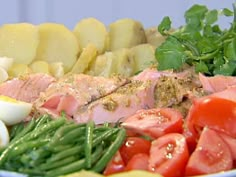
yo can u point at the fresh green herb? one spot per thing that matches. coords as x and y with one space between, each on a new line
200 43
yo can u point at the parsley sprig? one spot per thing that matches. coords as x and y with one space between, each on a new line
200 42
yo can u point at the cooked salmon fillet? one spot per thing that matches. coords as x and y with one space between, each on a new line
26 88
74 91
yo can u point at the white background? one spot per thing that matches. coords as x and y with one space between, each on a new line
70 12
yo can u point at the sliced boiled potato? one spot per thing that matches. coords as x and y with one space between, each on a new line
89 53
83 173
143 56
103 65
154 37
17 70
19 41
6 62
57 44
123 63
39 66
57 69
3 75
91 30
126 33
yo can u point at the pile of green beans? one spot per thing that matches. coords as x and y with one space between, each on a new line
54 147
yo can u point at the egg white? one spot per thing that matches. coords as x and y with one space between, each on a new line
13 112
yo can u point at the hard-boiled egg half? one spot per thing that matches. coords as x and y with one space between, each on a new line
4 135
13 111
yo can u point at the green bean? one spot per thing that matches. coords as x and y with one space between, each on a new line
28 128
48 166
71 136
16 129
105 135
43 129
66 153
75 166
22 148
61 132
101 164
88 143
59 148
42 120
31 172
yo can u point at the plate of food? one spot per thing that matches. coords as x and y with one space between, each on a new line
119 101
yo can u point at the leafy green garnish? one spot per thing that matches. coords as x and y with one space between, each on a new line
200 42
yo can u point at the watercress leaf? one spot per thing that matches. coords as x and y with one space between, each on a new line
201 67
195 15
211 17
227 69
230 50
170 55
227 12
165 25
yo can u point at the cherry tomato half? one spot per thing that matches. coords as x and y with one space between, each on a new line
169 155
211 155
155 122
132 146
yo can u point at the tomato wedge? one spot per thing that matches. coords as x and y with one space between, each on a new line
216 113
138 162
155 122
210 156
231 142
169 155
115 165
133 146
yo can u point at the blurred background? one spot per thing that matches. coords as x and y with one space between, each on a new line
69 12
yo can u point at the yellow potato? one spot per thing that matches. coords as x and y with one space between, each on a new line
123 64
91 30
126 33
57 69
40 67
87 56
143 56
103 65
83 173
154 37
17 70
57 44
19 41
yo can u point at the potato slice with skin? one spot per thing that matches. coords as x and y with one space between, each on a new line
91 30
88 54
126 33
3 75
18 69
40 67
57 44
19 41
143 56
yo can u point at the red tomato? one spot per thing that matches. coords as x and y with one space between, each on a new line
211 155
138 162
169 155
155 122
231 142
115 165
132 146
216 113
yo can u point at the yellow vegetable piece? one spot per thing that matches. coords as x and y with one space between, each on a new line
57 69
19 69
91 30
87 56
57 44
40 67
19 41
84 173
126 33
135 173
